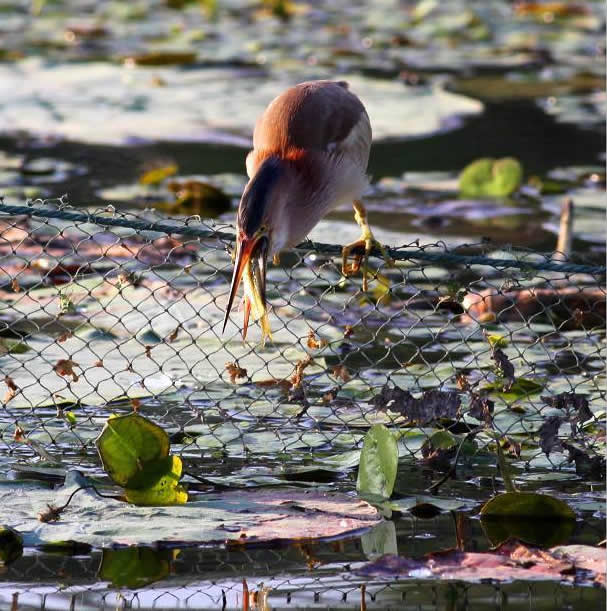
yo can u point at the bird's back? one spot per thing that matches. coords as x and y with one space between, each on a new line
313 116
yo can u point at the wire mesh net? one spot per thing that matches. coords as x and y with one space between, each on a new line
456 349
99 319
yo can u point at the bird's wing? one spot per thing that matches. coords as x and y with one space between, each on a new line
315 116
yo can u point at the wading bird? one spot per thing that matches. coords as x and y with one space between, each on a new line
310 152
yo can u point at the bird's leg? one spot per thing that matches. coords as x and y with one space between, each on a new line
366 240
276 259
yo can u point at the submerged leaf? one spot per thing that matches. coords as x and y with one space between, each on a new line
378 463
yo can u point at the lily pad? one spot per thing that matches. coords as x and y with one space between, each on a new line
491 178
238 517
527 505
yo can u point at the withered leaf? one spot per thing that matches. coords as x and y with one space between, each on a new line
341 373
65 367
51 514
504 367
575 407
432 405
481 408
300 366
234 371
587 462
548 433
174 335
314 343
12 389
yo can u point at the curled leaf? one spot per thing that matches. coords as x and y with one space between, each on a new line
65 368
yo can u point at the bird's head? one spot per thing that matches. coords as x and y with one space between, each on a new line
259 229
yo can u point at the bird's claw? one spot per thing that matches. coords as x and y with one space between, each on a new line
368 242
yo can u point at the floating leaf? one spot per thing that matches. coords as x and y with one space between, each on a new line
527 505
522 388
158 175
378 463
490 178
510 561
196 197
128 443
10 346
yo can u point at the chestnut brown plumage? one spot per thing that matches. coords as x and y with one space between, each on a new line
310 153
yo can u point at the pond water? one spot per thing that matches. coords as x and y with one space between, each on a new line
98 94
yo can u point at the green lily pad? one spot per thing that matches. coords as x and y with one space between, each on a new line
127 444
528 505
378 463
521 389
11 545
489 177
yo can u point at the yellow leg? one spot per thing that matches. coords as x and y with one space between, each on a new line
366 240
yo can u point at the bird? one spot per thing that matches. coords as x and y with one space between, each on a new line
310 153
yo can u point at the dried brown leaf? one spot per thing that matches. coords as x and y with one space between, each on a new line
297 377
12 389
51 514
235 372
65 367
315 344
341 373
504 367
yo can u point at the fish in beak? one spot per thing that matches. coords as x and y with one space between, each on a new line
250 267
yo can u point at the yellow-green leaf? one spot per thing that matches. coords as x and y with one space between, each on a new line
128 443
165 489
157 175
378 463
489 177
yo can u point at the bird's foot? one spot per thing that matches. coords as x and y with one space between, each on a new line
368 242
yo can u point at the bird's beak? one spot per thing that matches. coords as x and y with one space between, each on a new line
253 250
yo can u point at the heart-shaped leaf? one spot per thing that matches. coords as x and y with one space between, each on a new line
489 177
